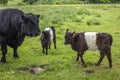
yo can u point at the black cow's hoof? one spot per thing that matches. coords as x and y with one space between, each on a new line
3 61
16 56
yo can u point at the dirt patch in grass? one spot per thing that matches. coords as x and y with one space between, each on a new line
88 71
34 70
38 69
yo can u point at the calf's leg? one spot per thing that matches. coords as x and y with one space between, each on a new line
4 50
54 41
101 58
49 44
81 56
46 50
109 57
43 49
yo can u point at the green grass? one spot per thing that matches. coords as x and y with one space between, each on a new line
60 64
14 2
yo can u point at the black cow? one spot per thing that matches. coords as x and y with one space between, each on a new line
14 26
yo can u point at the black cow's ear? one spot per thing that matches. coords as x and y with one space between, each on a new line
24 17
38 16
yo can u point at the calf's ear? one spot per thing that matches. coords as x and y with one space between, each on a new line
67 30
73 34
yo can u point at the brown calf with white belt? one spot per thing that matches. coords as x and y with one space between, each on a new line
81 42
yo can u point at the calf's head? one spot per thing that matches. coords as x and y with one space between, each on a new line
69 37
46 35
30 24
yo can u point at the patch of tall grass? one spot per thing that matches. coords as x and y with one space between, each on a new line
93 21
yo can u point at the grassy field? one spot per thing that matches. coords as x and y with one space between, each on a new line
60 64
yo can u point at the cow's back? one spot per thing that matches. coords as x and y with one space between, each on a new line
8 19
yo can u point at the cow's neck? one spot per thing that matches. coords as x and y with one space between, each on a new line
74 43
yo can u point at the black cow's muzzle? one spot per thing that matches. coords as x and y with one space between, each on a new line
38 33
35 34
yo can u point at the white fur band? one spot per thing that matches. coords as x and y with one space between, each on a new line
90 38
51 33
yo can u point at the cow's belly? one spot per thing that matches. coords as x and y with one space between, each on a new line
15 42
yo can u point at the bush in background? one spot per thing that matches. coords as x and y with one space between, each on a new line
93 21
83 11
20 4
4 2
69 1
29 1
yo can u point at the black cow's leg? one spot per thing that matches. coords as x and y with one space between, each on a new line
77 56
15 54
54 41
4 50
101 58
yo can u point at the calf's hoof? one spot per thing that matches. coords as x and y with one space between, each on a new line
77 59
84 66
110 66
97 65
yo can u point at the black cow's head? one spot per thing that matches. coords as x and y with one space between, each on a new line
30 24
68 37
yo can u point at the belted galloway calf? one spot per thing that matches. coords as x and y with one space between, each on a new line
81 42
47 36
14 26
